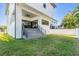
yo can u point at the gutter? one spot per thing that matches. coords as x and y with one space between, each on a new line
15 21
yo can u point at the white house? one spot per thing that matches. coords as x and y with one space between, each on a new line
29 19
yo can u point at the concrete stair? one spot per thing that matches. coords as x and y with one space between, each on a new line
34 33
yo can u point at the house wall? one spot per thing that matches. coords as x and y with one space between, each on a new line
19 17
18 22
11 27
39 16
10 21
39 6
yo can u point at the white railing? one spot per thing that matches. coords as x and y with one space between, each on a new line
41 29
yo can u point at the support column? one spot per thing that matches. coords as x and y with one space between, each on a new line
18 22
39 21
50 22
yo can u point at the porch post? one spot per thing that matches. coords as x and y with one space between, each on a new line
39 21
18 22
15 22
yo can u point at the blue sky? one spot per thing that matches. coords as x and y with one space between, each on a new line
62 9
59 12
3 18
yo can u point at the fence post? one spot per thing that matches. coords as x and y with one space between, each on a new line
77 33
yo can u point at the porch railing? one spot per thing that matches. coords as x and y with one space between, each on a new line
42 29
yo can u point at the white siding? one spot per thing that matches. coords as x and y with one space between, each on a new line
11 30
11 23
18 22
39 6
40 15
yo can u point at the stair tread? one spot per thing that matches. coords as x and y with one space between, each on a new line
34 33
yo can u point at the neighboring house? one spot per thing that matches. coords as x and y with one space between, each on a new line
29 19
54 24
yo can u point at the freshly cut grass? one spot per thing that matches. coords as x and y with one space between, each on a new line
51 45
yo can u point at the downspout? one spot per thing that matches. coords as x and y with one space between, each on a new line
15 21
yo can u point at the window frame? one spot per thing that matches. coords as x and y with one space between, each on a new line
45 22
44 5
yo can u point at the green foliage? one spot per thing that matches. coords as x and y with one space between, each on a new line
49 45
3 26
68 21
71 20
76 16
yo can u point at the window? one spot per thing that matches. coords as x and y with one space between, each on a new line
44 22
44 5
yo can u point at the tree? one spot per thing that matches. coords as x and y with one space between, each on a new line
3 27
76 16
68 21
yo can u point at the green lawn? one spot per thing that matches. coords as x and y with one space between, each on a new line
49 45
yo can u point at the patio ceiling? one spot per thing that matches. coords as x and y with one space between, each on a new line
28 14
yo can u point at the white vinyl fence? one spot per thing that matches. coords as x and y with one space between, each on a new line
63 31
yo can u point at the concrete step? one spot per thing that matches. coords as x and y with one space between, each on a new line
34 33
